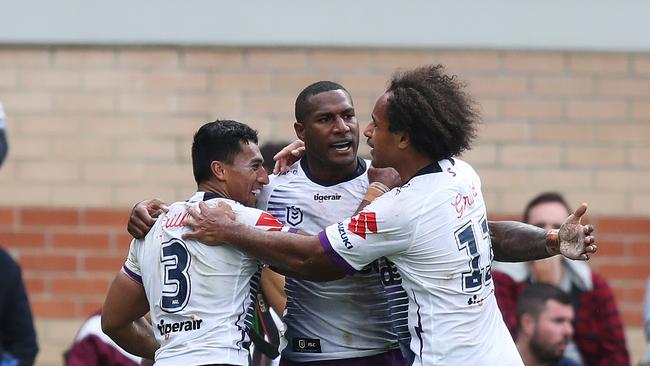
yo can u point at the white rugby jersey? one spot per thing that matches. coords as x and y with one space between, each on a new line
340 319
434 228
198 295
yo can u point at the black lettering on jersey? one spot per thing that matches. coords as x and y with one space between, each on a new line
166 329
388 273
326 197
344 236
306 345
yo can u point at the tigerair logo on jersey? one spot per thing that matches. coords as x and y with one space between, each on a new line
166 329
326 197
363 223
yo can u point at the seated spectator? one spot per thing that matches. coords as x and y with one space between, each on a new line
4 146
18 345
599 337
545 317
92 347
645 359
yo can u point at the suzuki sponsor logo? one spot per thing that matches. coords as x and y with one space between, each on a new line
344 236
363 223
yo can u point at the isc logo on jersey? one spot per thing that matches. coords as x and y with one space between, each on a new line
363 223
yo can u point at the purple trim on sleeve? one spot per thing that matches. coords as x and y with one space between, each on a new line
292 230
336 258
134 276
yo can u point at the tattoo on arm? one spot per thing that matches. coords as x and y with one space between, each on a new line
518 242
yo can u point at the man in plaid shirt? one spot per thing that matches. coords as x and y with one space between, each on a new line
599 339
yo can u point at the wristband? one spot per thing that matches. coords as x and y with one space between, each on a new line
553 242
375 189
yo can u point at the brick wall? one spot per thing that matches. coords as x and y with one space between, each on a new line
68 256
104 127
94 129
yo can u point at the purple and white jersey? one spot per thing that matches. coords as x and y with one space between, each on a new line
434 229
342 319
198 295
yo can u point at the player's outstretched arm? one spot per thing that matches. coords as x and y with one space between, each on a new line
122 317
143 216
303 255
518 242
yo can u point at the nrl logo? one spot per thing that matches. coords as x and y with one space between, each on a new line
294 215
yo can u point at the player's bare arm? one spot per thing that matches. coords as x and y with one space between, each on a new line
518 242
122 317
297 254
272 287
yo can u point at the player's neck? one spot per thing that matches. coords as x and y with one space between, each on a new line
410 164
213 187
330 173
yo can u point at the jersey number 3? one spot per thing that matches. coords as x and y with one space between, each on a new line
177 284
467 240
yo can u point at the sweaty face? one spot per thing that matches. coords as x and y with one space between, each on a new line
331 132
553 331
246 175
382 141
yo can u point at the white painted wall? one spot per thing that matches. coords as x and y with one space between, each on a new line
599 25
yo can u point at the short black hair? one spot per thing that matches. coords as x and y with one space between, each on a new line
434 111
545 197
533 298
302 101
268 150
218 141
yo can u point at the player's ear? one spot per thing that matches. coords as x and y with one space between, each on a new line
527 324
404 140
300 130
218 170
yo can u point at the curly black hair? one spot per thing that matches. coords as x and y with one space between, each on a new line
434 110
219 140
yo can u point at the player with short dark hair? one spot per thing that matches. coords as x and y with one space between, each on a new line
198 296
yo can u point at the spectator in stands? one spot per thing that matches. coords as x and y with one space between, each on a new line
92 347
544 317
4 146
599 338
18 345
645 359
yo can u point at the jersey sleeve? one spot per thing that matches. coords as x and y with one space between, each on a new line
131 266
259 219
380 230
